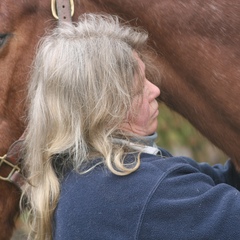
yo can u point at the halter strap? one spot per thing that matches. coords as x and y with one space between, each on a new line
62 10
10 165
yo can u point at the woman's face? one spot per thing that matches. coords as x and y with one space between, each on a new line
142 119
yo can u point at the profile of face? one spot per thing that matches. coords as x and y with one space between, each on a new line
142 118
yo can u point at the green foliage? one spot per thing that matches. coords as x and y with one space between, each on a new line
180 138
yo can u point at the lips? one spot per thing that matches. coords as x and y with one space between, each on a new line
155 113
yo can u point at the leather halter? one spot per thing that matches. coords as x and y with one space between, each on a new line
10 170
10 164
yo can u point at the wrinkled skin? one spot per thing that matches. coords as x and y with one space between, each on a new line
198 49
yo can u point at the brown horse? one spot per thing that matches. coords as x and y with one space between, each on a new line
198 51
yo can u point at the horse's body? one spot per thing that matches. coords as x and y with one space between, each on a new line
198 52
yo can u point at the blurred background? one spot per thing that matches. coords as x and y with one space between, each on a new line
177 136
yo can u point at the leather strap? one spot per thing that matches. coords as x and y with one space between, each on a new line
62 10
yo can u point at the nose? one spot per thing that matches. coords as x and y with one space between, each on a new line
153 90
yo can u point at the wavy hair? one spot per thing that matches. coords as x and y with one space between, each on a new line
81 88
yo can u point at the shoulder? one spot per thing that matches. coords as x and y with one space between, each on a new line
166 163
152 167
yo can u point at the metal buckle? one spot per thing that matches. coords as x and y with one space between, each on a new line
54 9
15 168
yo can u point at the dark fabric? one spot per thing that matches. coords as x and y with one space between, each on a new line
166 198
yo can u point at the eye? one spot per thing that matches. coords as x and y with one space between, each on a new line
3 39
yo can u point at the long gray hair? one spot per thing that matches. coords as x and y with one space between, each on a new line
81 89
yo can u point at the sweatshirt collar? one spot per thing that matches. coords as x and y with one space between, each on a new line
144 144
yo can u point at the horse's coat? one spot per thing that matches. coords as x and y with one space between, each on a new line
198 52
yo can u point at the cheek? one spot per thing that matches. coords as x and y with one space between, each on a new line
141 115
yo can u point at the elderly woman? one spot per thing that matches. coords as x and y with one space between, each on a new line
94 171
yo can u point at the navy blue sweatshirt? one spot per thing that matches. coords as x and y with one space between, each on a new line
166 198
